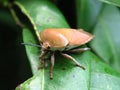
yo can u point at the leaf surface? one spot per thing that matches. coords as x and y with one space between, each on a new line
66 76
87 12
107 41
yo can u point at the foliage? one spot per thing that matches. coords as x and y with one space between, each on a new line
100 17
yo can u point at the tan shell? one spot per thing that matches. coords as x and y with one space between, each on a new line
58 38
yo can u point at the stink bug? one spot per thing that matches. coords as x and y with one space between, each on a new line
62 40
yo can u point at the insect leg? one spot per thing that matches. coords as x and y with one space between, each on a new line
52 65
71 58
41 58
43 52
78 50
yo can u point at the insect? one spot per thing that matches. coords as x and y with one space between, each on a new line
63 40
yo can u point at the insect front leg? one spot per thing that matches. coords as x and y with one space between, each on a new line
71 58
52 65
42 58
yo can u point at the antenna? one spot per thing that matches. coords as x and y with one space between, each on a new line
30 44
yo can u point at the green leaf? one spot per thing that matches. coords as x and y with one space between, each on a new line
112 2
102 77
107 41
42 14
87 12
32 52
66 76
59 74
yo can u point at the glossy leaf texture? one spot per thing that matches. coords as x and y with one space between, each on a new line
87 12
102 77
66 75
112 2
107 41
42 14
